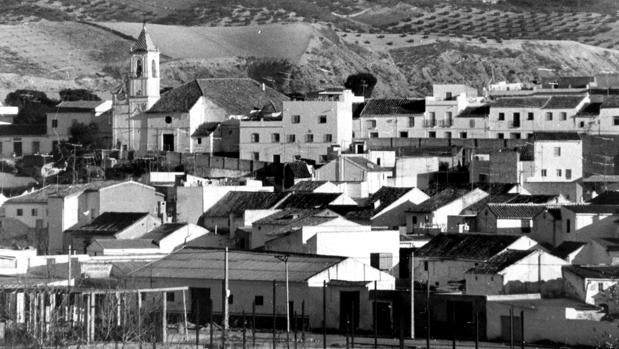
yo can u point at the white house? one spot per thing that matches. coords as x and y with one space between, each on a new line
583 223
388 118
65 114
361 176
557 157
594 284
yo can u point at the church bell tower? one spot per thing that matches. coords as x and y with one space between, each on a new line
145 74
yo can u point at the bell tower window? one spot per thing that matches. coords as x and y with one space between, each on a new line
138 68
154 67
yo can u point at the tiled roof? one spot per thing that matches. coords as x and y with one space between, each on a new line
466 246
205 129
196 263
237 96
125 243
295 216
556 136
62 190
533 199
520 102
610 102
515 210
307 186
589 110
593 208
23 130
481 204
594 272
527 153
377 107
357 214
499 262
480 111
299 169
439 200
606 198
163 231
386 196
68 106
567 81
237 202
144 42
110 223
563 102
308 200
566 248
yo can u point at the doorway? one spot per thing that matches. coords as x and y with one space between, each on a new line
168 142
349 309
17 148
200 305
383 318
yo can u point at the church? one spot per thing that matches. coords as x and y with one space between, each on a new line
144 120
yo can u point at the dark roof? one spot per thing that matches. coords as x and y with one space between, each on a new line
144 42
527 153
307 186
439 200
163 231
606 198
466 246
563 102
480 111
594 271
610 102
387 196
61 190
567 81
590 110
199 263
125 243
299 169
205 129
533 199
429 151
110 223
565 248
359 214
308 200
556 136
520 102
23 130
515 210
376 107
294 216
365 164
610 244
237 202
499 262
593 208
237 96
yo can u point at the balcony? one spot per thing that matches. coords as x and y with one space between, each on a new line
445 123
429 123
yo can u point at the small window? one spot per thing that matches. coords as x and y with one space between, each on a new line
296 119
530 116
501 116
411 122
600 287
615 121
582 124
34 212
255 156
563 116
403 134
371 123
20 212
559 173
168 119
500 136
309 138
36 146
199 140
448 135
259 300
472 123
373 134
544 172
463 135
568 173
275 138
231 299
322 119
255 138
432 134
568 225
169 296
548 116
54 123
292 138
515 135
328 138
557 151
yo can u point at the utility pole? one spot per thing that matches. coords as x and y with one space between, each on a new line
74 158
284 258
412 294
427 265
226 294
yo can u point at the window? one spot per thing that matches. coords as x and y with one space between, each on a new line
548 116
544 173
563 115
255 138
276 158
54 123
472 123
411 122
615 121
559 173
168 119
34 212
525 226
568 173
403 134
199 140
568 225
463 135
448 135
515 135
557 151
600 287
448 95
328 138
138 68
373 134
255 156
322 119
154 68
448 116
432 134
20 212
292 138
169 296
371 123
530 116
309 138
259 300
501 116
500 136
582 124
36 146
275 138
231 299
296 119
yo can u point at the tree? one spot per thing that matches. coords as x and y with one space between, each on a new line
361 84
33 105
79 94
86 135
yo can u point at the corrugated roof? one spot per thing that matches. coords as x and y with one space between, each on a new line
62 190
144 42
23 130
194 263
520 102
237 202
308 200
563 102
516 210
109 223
610 209
594 271
205 129
479 111
307 186
163 231
439 200
499 262
466 246
385 107
556 136
606 198
237 96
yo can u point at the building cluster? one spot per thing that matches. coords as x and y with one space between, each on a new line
504 207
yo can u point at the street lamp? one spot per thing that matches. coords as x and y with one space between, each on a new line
284 258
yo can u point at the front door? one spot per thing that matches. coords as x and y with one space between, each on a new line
383 318
168 142
349 309
200 305
17 149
